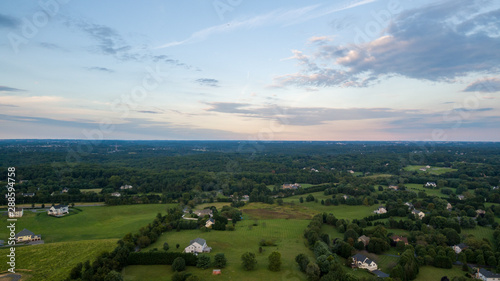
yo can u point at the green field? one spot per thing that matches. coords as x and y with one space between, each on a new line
427 273
480 232
91 223
431 170
96 190
287 234
52 262
433 192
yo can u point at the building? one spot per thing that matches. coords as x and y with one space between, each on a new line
410 205
361 261
448 206
480 212
198 245
365 239
290 186
380 210
17 213
210 222
393 187
27 236
487 275
125 187
418 213
59 210
397 238
116 194
204 212
430 184
245 198
30 194
460 197
459 247
65 190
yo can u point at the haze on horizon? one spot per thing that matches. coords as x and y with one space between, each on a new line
257 70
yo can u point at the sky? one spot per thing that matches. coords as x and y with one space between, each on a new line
363 70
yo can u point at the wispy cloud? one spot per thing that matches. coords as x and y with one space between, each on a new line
8 21
428 43
208 82
10 89
99 68
485 85
279 17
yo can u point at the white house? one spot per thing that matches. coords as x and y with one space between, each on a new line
418 213
27 236
459 248
198 245
290 186
204 212
360 261
448 206
393 187
65 190
380 210
487 275
430 184
125 187
18 212
410 205
116 194
460 197
58 210
209 222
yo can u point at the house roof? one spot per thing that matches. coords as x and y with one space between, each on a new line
60 206
415 211
24 232
364 238
400 238
361 258
462 246
200 241
488 274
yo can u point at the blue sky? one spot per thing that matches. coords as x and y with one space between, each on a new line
250 70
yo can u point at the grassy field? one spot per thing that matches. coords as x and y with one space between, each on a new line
218 205
287 234
431 170
53 262
96 190
480 232
91 223
436 192
427 273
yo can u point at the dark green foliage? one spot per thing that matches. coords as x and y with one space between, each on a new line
320 248
203 261
302 260
248 261
151 258
220 260
442 262
275 261
180 276
377 245
179 264
313 272
165 246
113 276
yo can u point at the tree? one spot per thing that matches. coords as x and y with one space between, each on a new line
220 260
400 246
301 200
177 246
113 276
275 261
179 264
302 260
203 261
165 246
312 271
248 260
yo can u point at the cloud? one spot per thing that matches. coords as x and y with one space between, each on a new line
8 105
148 111
320 40
277 17
51 46
208 82
307 116
432 43
485 85
8 21
98 68
9 89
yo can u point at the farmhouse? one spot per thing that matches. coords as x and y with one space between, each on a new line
58 210
204 212
65 190
365 239
209 222
459 248
360 261
198 245
418 213
380 210
290 186
18 212
125 187
397 238
27 236
487 275
430 184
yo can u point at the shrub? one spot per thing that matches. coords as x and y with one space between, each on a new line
179 264
203 261
220 260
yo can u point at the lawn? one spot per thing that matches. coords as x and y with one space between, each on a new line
101 222
52 262
431 170
96 190
480 232
287 234
436 192
433 273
